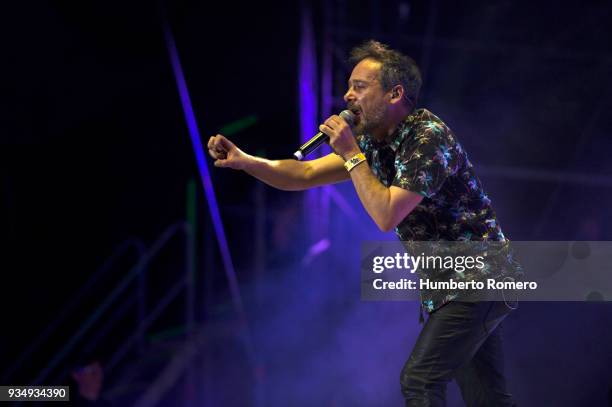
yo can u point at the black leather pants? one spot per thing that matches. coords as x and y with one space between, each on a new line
460 341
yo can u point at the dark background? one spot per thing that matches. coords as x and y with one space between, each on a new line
94 150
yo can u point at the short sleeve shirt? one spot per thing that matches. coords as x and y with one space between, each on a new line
424 156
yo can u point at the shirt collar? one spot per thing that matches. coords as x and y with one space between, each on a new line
394 139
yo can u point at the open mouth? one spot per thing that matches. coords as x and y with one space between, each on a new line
357 112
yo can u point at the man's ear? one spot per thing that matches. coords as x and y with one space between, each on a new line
397 93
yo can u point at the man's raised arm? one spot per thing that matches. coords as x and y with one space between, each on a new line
288 175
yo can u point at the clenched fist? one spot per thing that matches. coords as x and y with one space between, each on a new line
226 154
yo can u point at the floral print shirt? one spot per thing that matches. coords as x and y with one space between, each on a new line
424 156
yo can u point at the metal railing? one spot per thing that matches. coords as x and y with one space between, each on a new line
144 260
117 254
145 256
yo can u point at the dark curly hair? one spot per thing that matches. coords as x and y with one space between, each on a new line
396 68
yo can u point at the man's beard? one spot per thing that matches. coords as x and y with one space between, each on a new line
375 118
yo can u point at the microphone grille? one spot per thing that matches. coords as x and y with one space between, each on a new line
348 117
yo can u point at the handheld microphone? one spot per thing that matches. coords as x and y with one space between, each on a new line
319 138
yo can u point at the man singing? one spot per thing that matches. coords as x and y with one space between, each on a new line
411 175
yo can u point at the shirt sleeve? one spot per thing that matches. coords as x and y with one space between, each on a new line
425 161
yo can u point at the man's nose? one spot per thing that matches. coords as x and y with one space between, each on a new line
349 96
